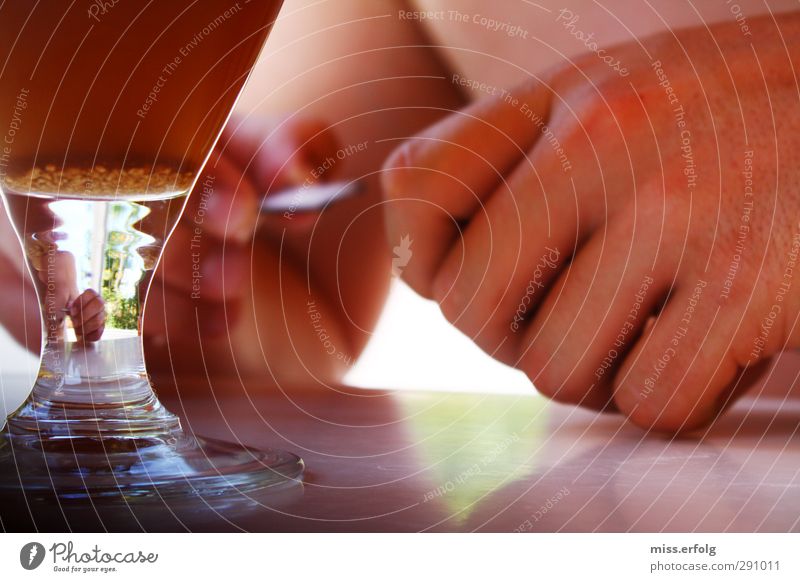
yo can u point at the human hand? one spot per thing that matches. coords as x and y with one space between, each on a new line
203 276
626 241
20 311
88 315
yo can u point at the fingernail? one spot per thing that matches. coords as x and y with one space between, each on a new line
298 172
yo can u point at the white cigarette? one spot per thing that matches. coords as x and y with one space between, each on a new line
309 198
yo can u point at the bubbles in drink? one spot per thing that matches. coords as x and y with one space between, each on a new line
101 182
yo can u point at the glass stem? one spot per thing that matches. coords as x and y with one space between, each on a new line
90 387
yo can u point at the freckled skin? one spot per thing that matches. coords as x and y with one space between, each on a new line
656 189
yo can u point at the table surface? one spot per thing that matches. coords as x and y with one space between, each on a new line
422 461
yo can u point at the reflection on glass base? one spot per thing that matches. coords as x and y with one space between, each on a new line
127 469
93 428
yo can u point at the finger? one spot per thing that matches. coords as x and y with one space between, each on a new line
86 305
173 315
223 204
204 268
479 144
492 280
438 179
677 376
596 311
516 243
206 253
307 153
91 329
93 336
88 315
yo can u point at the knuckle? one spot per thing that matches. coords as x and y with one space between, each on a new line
669 414
548 379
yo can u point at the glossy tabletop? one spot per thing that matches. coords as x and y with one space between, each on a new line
423 461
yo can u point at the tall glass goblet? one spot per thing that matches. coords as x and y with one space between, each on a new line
109 111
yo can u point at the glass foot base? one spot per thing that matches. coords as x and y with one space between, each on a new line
126 469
